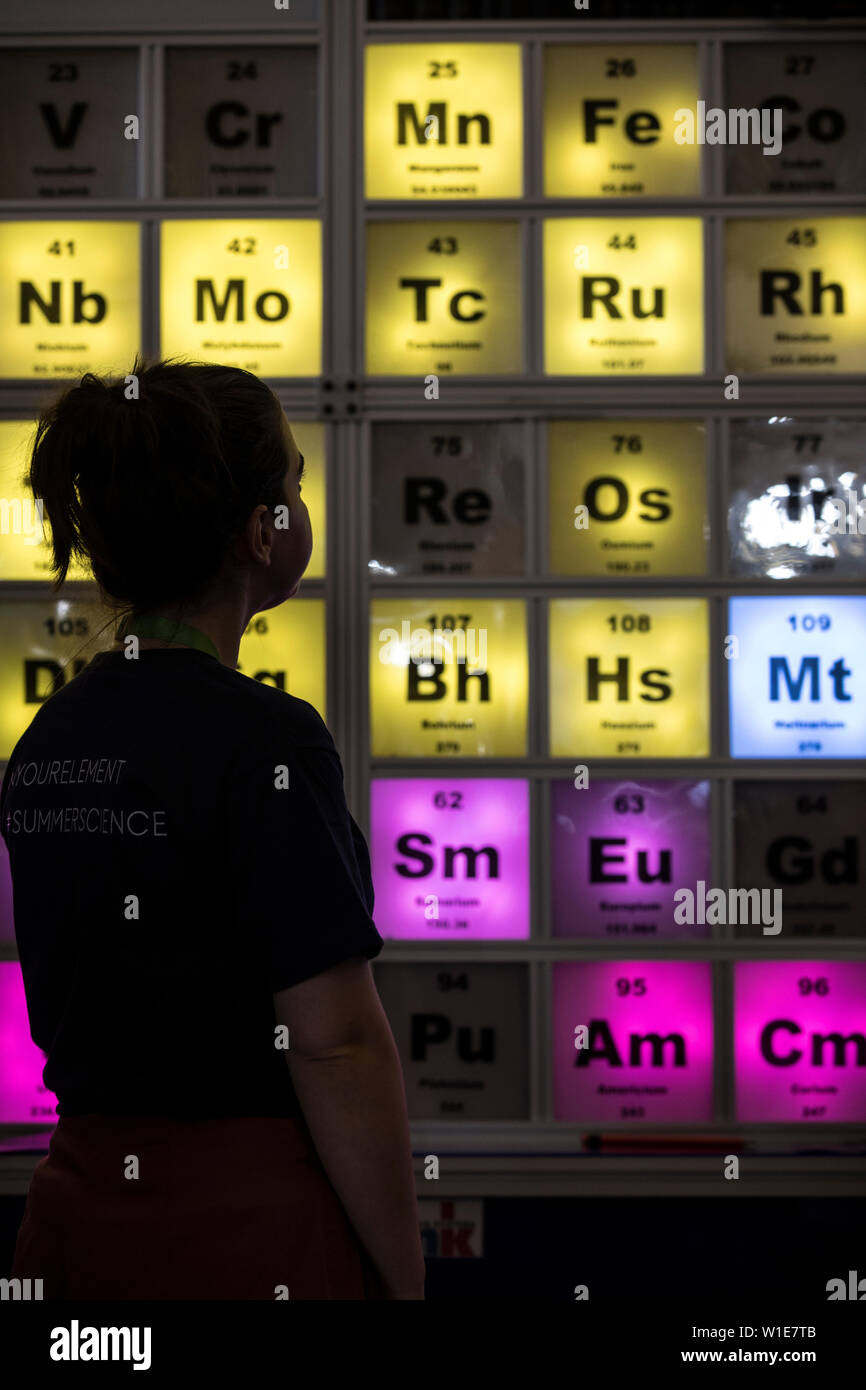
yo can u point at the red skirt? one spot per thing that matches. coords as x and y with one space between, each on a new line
220 1209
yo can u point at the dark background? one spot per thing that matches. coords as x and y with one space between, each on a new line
627 1250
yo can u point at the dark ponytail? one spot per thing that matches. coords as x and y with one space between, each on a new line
151 491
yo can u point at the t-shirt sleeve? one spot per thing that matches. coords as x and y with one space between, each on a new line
302 868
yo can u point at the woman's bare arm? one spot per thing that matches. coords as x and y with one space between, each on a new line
347 1076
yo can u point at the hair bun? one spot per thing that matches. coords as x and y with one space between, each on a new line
151 495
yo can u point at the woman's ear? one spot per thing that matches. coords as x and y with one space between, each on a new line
254 538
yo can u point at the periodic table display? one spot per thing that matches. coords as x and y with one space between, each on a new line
797 499
310 439
806 841
71 111
448 684
285 648
23 1098
609 126
462 1032
571 332
451 858
69 298
443 120
796 294
800 1040
816 89
25 552
797 684
629 678
627 497
633 1040
623 296
240 123
243 292
44 644
619 848
443 297
7 924
447 500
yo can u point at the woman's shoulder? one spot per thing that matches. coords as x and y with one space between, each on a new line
278 715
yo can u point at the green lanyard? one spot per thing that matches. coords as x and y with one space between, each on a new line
144 625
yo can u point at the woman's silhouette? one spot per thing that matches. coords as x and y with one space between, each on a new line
192 898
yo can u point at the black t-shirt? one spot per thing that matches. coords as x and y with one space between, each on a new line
181 849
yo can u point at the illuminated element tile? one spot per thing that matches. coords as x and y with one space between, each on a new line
627 497
69 298
806 839
25 552
800 1041
245 292
623 296
629 677
42 643
449 677
462 1031
648 1053
609 120
796 294
443 120
443 298
447 498
7 921
23 1098
796 687
451 858
619 852
310 439
285 647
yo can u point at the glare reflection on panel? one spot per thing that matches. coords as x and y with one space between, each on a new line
797 502
448 677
